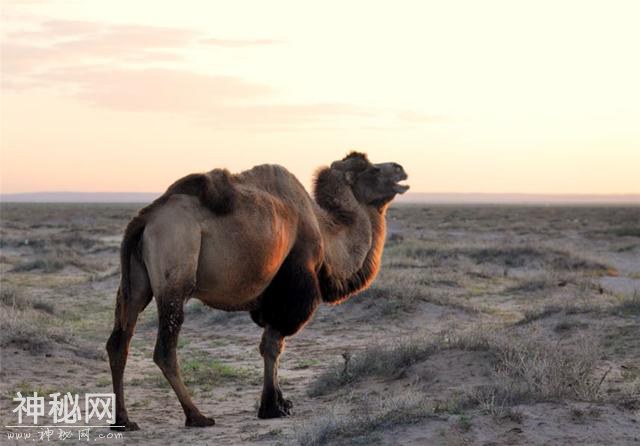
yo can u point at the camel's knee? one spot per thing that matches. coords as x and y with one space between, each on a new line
272 344
160 358
165 358
113 342
170 319
116 343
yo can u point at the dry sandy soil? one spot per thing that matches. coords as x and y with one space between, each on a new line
488 325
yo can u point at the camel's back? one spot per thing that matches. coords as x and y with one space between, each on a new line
275 180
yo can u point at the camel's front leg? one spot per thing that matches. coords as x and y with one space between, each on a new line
272 404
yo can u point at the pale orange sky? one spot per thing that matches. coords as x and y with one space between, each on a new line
491 96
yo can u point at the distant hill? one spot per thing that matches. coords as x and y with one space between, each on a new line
80 197
417 197
488 198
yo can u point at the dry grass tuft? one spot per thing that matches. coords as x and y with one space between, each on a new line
374 361
533 285
45 264
494 400
542 370
529 367
29 331
629 306
372 415
10 297
625 231
503 255
24 325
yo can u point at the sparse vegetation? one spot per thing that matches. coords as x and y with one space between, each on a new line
629 306
481 318
201 370
306 363
29 330
47 264
533 285
368 418
507 256
204 373
374 361
494 400
25 322
535 368
626 231
9 297
542 370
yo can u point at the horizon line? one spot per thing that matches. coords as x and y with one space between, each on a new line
410 197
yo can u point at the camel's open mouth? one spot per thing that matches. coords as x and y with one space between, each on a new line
400 188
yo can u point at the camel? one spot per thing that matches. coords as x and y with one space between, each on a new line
254 241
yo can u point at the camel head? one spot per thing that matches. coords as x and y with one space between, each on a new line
371 184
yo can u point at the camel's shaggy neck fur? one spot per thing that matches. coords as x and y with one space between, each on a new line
353 237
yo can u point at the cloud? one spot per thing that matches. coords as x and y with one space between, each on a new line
235 43
415 117
217 101
156 89
122 67
62 42
284 116
145 69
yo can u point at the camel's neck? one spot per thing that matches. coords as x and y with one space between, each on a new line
353 237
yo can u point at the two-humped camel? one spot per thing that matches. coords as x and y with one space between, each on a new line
257 242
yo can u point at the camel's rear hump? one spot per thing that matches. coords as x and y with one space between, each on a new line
214 189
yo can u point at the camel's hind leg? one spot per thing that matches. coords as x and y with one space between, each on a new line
171 316
118 343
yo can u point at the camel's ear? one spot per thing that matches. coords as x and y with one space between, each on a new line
354 161
338 165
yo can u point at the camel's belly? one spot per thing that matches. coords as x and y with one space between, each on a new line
231 298
234 269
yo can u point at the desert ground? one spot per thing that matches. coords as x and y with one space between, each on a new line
487 325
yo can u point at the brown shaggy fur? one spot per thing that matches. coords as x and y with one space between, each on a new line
214 189
334 290
329 188
255 241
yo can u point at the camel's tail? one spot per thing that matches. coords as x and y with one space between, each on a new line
214 189
128 248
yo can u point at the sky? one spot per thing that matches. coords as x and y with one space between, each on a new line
490 97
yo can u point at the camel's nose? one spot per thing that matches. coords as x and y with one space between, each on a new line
401 174
390 167
394 170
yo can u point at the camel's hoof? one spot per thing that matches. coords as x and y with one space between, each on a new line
287 404
276 410
199 421
125 426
